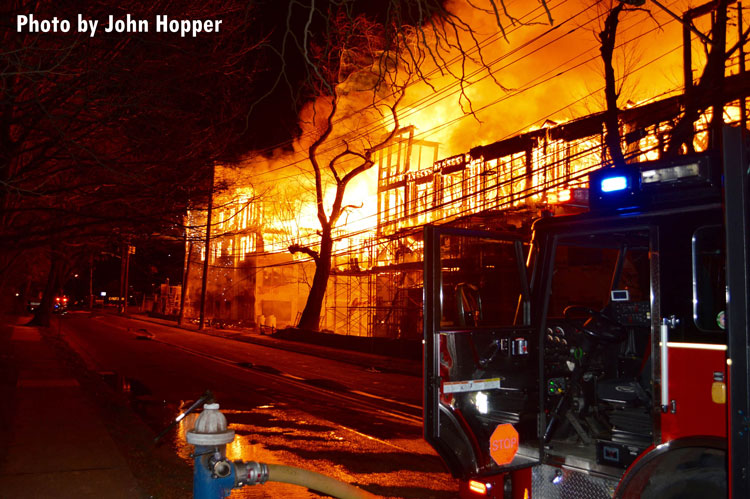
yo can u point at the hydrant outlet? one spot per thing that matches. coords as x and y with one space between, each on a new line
250 473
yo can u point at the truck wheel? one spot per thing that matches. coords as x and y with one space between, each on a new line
683 472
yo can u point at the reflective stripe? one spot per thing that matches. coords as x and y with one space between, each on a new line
697 346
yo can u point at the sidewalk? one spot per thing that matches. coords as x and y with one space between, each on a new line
54 442
58 442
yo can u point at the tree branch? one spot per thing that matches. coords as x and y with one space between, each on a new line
296 248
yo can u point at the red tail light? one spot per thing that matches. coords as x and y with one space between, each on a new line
478 487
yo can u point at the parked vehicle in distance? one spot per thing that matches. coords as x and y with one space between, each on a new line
60 305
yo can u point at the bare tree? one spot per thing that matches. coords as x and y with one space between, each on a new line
613 86
352 66
355 63
607 38
99 142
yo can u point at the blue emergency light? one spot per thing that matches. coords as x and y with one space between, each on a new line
613 183
614 187
639 184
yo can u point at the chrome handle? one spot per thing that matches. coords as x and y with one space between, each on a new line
663 337
666 324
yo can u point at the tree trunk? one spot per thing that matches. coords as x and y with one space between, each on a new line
717 97
6 262
43 314
207 246
710 85
185 279
310 318
607 37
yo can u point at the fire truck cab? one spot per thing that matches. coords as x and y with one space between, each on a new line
602 357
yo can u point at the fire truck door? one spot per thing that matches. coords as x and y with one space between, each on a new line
481 358
737 220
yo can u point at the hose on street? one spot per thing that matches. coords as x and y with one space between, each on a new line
316 481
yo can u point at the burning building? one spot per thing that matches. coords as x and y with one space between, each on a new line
375 287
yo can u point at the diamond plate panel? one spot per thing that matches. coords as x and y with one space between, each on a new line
574 485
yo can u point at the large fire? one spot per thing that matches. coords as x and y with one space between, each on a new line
517 135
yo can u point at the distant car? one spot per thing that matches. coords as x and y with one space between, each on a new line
33 305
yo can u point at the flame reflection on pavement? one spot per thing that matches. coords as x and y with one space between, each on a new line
279 434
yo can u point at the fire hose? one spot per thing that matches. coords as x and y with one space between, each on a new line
251 473
214 476
315 481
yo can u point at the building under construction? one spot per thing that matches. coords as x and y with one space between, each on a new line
375 288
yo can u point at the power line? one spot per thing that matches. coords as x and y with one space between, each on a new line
511 198
569 105
472 194
533 83
523 22
373 126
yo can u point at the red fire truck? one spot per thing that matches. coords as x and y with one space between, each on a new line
608 355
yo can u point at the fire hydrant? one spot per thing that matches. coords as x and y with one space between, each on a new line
214 476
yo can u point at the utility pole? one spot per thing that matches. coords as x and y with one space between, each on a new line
127 250
131 251
207 249
185 277
123 254
91 282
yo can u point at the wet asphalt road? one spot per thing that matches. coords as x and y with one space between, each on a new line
289 408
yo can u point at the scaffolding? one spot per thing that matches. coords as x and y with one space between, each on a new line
347 303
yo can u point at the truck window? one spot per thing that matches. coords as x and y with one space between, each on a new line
586 270
481 282
596 347
709 279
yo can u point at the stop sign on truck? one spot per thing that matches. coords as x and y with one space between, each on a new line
503 443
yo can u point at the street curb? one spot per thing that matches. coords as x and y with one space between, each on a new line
365 360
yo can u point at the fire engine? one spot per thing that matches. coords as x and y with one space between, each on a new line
607 355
